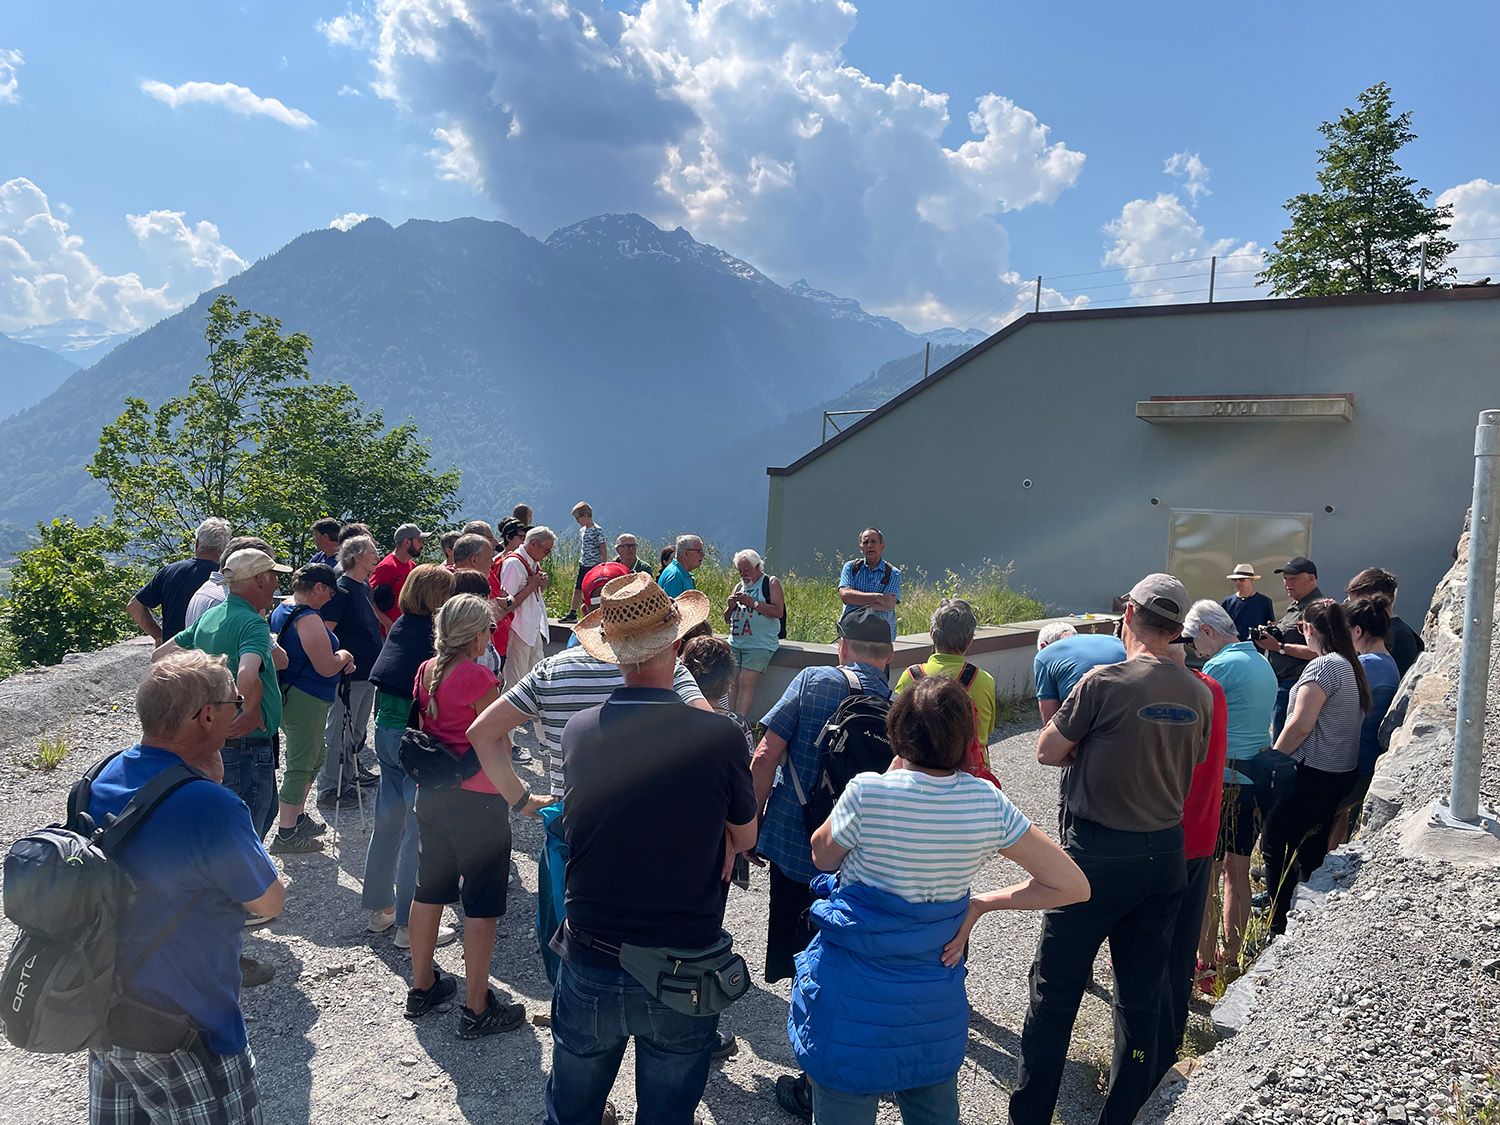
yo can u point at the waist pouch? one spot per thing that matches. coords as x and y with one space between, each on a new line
695 982
138 1026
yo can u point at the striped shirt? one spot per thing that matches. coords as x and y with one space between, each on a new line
573 681
921 837
1333 745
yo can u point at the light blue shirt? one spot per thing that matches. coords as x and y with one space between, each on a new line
1058 667
857 576
1249 696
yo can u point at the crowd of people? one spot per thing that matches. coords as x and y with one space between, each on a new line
666 784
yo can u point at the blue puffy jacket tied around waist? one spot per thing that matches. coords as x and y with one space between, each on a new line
873 1007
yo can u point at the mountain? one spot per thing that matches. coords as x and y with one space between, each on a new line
964 338
28 374
83 342
612 362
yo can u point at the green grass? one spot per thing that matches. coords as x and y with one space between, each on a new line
813 605
49 753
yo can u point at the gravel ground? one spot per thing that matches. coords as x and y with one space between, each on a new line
331 1042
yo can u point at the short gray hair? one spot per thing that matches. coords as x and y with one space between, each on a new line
1211 613
470 545
749 556
177 687
952 626
212 535
1052 633
624 535
539 533
695 541
355 547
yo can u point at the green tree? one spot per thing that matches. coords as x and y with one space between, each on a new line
66 595
1363 232
255 441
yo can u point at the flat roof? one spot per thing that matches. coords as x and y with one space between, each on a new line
1461 293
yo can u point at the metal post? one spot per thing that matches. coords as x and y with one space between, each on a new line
927 361
1038 306
1479 612
1213 268
1422 267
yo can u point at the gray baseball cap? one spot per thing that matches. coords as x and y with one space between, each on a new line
411 531
1163 594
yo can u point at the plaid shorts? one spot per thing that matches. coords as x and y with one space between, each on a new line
180 1088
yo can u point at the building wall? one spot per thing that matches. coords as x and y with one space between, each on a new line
1053 402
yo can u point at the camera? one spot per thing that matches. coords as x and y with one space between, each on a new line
1273 631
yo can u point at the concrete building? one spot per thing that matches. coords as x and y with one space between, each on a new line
1091 447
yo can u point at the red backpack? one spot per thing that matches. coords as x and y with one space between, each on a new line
974 758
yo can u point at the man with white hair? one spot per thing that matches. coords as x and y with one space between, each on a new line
626 552
350 613
687 557
1249 699
173 586
198 866
522 577
756 615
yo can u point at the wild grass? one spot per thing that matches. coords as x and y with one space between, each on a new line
49 753
813 606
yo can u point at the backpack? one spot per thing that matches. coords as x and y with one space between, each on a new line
975 761
62 988
852 741
285 677
765 586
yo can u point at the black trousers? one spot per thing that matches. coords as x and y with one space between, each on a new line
1294 841
1182 963
788 928
1137 880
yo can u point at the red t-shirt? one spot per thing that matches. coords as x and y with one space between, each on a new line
391 571
466 683
1200 812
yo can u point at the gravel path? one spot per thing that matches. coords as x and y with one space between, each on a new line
331 1042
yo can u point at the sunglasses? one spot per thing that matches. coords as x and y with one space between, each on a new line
238 701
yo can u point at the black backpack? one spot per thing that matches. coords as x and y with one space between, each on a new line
852 741
285 677
62 989
765 585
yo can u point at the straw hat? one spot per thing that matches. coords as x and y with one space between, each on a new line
636 620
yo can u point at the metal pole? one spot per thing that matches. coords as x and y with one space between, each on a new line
927 361
1479 613
1422 267
1213 268
1038 306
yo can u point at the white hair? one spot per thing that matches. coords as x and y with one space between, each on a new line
355 547
179 686
540 534
749 556
624 535
1211 613
686 541
1052 633
212 535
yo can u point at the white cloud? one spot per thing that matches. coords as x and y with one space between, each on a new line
237 99
348 220
1476 229
10 60
1190 169
45 274
742 121
348 91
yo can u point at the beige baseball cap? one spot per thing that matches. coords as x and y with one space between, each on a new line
247 563
1163 594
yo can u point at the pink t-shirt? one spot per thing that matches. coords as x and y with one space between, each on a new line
456 696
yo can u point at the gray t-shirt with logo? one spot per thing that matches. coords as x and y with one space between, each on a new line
1141 727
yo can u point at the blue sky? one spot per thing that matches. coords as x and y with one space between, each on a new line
775 130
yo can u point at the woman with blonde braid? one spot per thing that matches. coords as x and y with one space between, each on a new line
463 830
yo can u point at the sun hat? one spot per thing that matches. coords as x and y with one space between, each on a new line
1301 564
1163 594
636 620
248 562
411 531
1242 570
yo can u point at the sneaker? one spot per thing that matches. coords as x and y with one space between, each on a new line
520 755
332 800
420 1001
366 778
1260 900
254 973
256 921
288 841
724 1046
307 826
794 1094
495 1018
381 920
446 934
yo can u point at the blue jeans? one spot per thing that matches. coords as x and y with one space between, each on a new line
923 1105
1278 712
250 774
391 861
594 1014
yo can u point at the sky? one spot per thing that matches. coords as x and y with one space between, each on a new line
929 158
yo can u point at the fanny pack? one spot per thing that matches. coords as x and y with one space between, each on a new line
695 982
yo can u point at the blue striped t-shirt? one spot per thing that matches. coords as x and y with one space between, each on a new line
921 837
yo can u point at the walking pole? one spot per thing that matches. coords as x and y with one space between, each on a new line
338 791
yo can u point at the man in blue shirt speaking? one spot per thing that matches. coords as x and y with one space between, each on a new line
870 582
198 865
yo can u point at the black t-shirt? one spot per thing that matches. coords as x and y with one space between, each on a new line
171 588
1403 644
358 628
649 783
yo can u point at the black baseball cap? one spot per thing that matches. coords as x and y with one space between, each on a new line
317 574
1299 565
863 624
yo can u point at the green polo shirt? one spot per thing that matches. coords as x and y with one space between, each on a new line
231 629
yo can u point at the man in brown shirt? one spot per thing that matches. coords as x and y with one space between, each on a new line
1132 734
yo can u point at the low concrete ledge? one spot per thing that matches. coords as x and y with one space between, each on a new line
38 698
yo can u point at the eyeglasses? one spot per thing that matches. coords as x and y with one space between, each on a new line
237 702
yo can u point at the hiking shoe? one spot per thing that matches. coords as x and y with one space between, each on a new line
287 841
495 1018
446 934
330 799
724 1046
520 755
307 826
420 1001
570 619
794 1094
381 920
256 921
366 778
255 973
